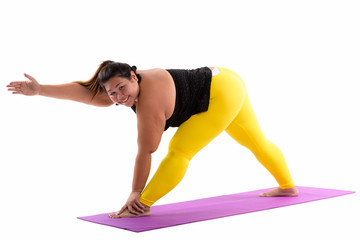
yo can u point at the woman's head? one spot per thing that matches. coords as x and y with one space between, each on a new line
109 69
120 82
110 72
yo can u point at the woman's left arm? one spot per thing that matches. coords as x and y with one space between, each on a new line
151 122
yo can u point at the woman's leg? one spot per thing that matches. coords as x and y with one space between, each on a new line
226 98
245 130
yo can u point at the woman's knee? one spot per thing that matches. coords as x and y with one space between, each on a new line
266 148
178 153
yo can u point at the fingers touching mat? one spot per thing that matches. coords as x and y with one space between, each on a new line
211 208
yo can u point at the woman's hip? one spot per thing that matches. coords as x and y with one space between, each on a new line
228 89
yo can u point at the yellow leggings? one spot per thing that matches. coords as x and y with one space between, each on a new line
229 110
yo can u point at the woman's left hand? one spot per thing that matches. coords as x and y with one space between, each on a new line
133 205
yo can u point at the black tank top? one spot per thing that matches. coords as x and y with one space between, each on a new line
192 94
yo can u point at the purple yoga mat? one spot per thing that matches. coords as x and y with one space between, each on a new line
211 208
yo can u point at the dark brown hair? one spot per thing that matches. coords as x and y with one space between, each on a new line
107 70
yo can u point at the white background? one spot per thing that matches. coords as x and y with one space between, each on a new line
62 159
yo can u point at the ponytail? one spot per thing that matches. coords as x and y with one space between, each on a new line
92 84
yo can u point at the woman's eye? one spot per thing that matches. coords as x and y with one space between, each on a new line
111 94
121 87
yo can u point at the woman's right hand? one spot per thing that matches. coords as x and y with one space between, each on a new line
29 88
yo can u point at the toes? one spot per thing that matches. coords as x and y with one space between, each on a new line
279 193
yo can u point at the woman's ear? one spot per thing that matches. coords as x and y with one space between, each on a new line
133 76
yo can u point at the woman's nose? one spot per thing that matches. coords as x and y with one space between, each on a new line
119 96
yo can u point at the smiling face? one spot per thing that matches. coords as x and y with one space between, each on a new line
122 90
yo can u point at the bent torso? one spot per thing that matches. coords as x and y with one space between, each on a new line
162 84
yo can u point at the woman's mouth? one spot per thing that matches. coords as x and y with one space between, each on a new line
123 101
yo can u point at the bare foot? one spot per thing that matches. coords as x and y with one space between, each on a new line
127 214
279 192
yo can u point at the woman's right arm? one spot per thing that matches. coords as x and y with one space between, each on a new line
75 92
68 91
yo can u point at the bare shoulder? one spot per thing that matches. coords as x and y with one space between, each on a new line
157 89
154 74
157 78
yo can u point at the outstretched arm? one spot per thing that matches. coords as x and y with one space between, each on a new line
68 91
75 92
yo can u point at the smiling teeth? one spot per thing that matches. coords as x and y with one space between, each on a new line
124 101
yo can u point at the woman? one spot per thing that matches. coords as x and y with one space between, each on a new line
202 102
